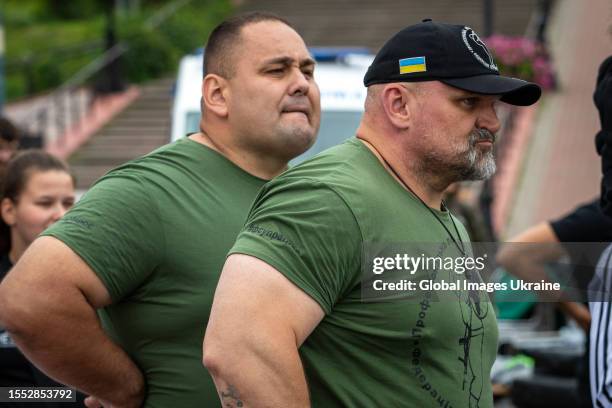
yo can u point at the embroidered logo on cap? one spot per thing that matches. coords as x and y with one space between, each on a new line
478 49
412 65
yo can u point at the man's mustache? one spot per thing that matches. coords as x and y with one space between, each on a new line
479 135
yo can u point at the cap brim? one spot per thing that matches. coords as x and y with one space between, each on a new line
513 90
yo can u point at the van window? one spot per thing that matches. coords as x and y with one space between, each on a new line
192 122
336 127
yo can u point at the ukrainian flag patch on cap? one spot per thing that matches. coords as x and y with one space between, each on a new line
412 65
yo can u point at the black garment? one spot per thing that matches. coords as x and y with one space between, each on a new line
17 371
603 144
586 223
603 140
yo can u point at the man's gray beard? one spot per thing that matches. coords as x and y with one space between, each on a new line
485 167
468 163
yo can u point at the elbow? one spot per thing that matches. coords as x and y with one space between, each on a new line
213 354
209 358
211 362
221 352
10 311
16 313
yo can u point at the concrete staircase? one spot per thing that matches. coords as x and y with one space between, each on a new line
140 128
370 23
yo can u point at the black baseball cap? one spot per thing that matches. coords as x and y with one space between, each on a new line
449 53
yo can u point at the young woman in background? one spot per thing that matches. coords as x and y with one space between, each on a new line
37 190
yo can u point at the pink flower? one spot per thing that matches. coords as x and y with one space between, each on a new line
523 57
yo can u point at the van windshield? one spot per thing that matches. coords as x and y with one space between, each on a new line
192 122
336 127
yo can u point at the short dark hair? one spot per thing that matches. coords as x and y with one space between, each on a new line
224 38
8 131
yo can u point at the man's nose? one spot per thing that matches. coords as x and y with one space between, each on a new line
488 120
300 84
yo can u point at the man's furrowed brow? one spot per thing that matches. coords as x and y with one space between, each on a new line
307 62
470 94
462 93
288 61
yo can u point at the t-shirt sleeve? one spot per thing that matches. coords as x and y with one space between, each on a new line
306 231
586 223
116 229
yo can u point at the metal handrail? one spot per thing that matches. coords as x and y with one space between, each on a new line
164 13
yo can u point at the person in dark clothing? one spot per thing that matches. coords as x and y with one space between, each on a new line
600 361
603 139
585 224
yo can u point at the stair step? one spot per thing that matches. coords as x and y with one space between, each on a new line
115 150
126 141
109 161
152 121
140 128
87 175
131 131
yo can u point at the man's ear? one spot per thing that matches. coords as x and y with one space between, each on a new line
7 207
395 100
214 94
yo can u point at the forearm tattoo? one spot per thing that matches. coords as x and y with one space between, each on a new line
230 398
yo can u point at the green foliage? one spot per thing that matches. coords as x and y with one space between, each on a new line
42 72
189 28
150 53
48 41
18 13
46 74
74 9
155 52
61 47
15 87
48 36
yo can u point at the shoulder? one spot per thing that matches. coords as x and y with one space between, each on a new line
163 168
167 156
343 169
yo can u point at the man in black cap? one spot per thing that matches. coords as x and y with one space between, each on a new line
290 313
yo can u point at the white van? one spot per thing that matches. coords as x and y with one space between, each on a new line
339 73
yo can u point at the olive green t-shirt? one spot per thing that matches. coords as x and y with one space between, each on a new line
313 224
156 231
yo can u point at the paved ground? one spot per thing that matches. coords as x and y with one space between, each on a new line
561 168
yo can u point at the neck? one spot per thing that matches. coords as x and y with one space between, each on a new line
258 165
18 247
397 168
